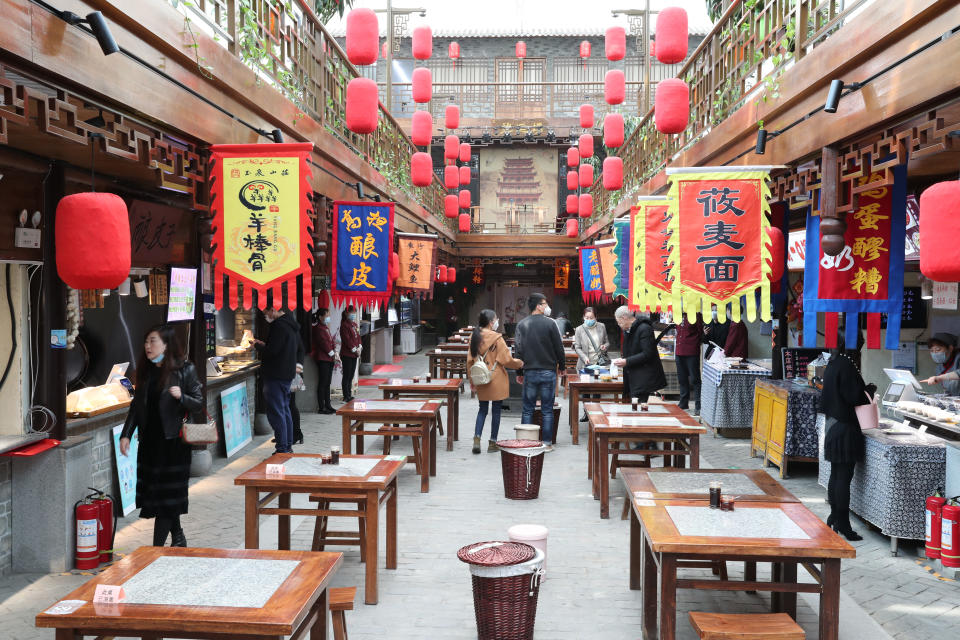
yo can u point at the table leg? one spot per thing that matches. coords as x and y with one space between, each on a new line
695 451
345 435
372 526
595 482
283 523
636 552
432 428
649 591
392 525
67 634
830 599
251 518
319 631
451 422
424 458
776 598
456 416
602 476
788 601
575 415
750 572
589 449
668 597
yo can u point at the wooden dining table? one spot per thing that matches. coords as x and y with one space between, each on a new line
672 533
416 419
215 594
446 389
580 385
665 423
445 363
373 477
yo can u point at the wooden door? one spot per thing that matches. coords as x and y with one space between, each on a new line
516 101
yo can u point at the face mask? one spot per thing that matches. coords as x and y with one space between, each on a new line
589 323
546 310
352 317
495 325
714 314
450 300
269 318
158 359
939 356
326 320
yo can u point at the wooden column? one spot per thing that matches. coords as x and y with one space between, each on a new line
832 224
52 375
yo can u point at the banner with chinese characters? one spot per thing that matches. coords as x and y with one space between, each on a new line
867 275
418 262
261 223
591 279
608 272
621 233
561 276
362 248
650 283
719 246
477 277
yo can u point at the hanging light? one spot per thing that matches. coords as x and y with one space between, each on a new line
451 205
572 228
586 176
926 288
521 49
422 42
585 146
422 85
421 128
451 177
612 173
464 223
124 288
585 205
614 86
573 157
442 274
363 34
939 230
452 116
92 234
465 152
452 272
573 180
362 102
672 106
584 50
453 51
586 116
464 197
615 43
572 202
421 169
451 147
613 130
464 175
672 35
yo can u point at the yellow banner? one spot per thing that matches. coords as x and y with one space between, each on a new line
650 284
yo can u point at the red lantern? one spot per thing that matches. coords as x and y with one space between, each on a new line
586 116
464 223
521 49
422 42
453 51
672 35
586 176
585 146
572 202
452 119
615 44
362 102
672 106
464 198
584 49
394 270
451 205
613 130
422 81
452 272
939 230
465 152
464 175
573 157
442 274
421 128
363 36
612 173
572 228
93 240
585 205
777 260
421 169
383 51
451 177
614 86
451 147
573 180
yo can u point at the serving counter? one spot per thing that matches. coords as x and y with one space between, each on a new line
726 395
784 422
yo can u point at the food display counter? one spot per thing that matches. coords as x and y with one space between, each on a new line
784 422
726 394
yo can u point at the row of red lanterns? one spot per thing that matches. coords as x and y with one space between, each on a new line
446 275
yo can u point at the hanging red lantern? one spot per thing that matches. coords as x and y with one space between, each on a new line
615 43
452 119
521 49
362 101
586 116
451 205
614 86
585 205
464 198
421 128
584 49
453 51
421 169
653 48
422 85
394 269
383 51
939 230
777 260
672 106
585 146
586 176
573 180
613 130
465 152
572 202
442 274
672 35
464 175
452 272
612 173
422 42
451 177
573 157
363 36
451 147
464 223
93 240
572 228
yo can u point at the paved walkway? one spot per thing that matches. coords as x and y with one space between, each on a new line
585 594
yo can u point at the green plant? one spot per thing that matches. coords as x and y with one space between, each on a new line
326 8
263 56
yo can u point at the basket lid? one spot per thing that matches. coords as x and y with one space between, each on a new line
496 554
519 444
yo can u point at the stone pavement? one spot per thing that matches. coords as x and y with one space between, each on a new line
585 594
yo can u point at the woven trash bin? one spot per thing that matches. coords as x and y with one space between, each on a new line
506 583
522 464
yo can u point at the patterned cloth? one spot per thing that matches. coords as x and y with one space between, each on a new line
726 396
891 486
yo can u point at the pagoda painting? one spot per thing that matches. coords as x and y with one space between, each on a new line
518 186
518 183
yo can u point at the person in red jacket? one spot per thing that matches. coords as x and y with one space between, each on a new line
689 337
736 346
324 353
349 349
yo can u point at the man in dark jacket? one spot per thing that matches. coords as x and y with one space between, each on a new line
689 337
541 349
642 370
279 357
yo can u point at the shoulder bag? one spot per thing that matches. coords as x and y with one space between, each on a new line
868 415
200 433
603 359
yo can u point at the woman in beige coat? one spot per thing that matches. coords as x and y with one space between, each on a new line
488 344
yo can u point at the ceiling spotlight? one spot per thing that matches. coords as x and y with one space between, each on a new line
551 136
837 87
507 139
762 136
486 137
926 288
528 137
277 136
98 25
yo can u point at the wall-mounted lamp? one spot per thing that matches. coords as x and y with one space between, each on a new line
98 25
359 187
762 136
926 288
124 288
140 288
837 87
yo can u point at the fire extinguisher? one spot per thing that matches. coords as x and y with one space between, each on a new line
88 525
950 535
933 513
107 520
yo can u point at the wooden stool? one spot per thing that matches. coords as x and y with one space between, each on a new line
341 600
323 536
745 626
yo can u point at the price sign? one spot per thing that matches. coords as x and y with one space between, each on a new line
108 594
275 470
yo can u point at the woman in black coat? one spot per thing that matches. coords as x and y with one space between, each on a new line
642 369
168 389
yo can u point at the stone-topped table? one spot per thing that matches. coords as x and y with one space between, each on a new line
446 389
750 485
582 384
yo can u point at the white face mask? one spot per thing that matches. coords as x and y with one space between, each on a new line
495 325
547 310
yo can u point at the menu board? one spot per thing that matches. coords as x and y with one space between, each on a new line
126 469
795 361
914 314
183 294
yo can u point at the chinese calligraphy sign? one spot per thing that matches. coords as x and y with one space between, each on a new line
418 261
608 272
362 249
591 279
561 275
621 232
651 279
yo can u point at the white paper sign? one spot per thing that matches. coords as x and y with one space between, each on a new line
65 607
275 470
108 594
945 295
796 249
905 357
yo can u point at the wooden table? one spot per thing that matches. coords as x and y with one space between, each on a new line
448 363
665 534
577 386
448 389
750 485
420 418
378 484
670 425
277 607
455 346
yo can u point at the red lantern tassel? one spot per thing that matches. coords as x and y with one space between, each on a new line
831 322
873 331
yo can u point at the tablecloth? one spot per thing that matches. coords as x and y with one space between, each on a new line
803 402
726 397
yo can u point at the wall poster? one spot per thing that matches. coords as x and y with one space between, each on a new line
237 430
518 186
126 470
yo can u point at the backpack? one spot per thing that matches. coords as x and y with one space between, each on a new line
480 373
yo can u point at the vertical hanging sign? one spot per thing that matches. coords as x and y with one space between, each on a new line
362 249
418 261
621 232
650 279
608 272
561 275
591 279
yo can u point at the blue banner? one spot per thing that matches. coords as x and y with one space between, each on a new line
362 250
590 278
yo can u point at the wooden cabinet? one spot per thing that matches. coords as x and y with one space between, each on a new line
769 424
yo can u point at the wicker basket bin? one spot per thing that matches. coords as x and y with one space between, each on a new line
505 598
522 464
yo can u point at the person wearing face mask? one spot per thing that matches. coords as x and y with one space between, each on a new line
717 332
539 346
689 338
279 357
591 344
642 370
487 344
349 349
324 353
450 318
944 353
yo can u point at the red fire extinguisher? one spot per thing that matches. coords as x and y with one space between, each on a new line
950 535
934 505
107 520
88 525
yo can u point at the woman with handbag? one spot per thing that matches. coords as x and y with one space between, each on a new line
844 392
591 344
168 390
488 346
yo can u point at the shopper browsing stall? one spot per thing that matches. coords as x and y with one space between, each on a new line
946 355
279 356
642 370
540 348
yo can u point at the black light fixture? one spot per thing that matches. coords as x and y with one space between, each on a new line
551 136
277 136
426 229
486 137
98 25
507 139
837 87
375 197
359 187
528 137
762 136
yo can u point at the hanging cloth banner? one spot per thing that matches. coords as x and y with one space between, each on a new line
561 275
590 278
418 264
867 275
260 200
650 280
362 250
477 277
621 232
720 247
608 272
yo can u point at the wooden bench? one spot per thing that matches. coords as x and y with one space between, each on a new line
341 600
745 626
